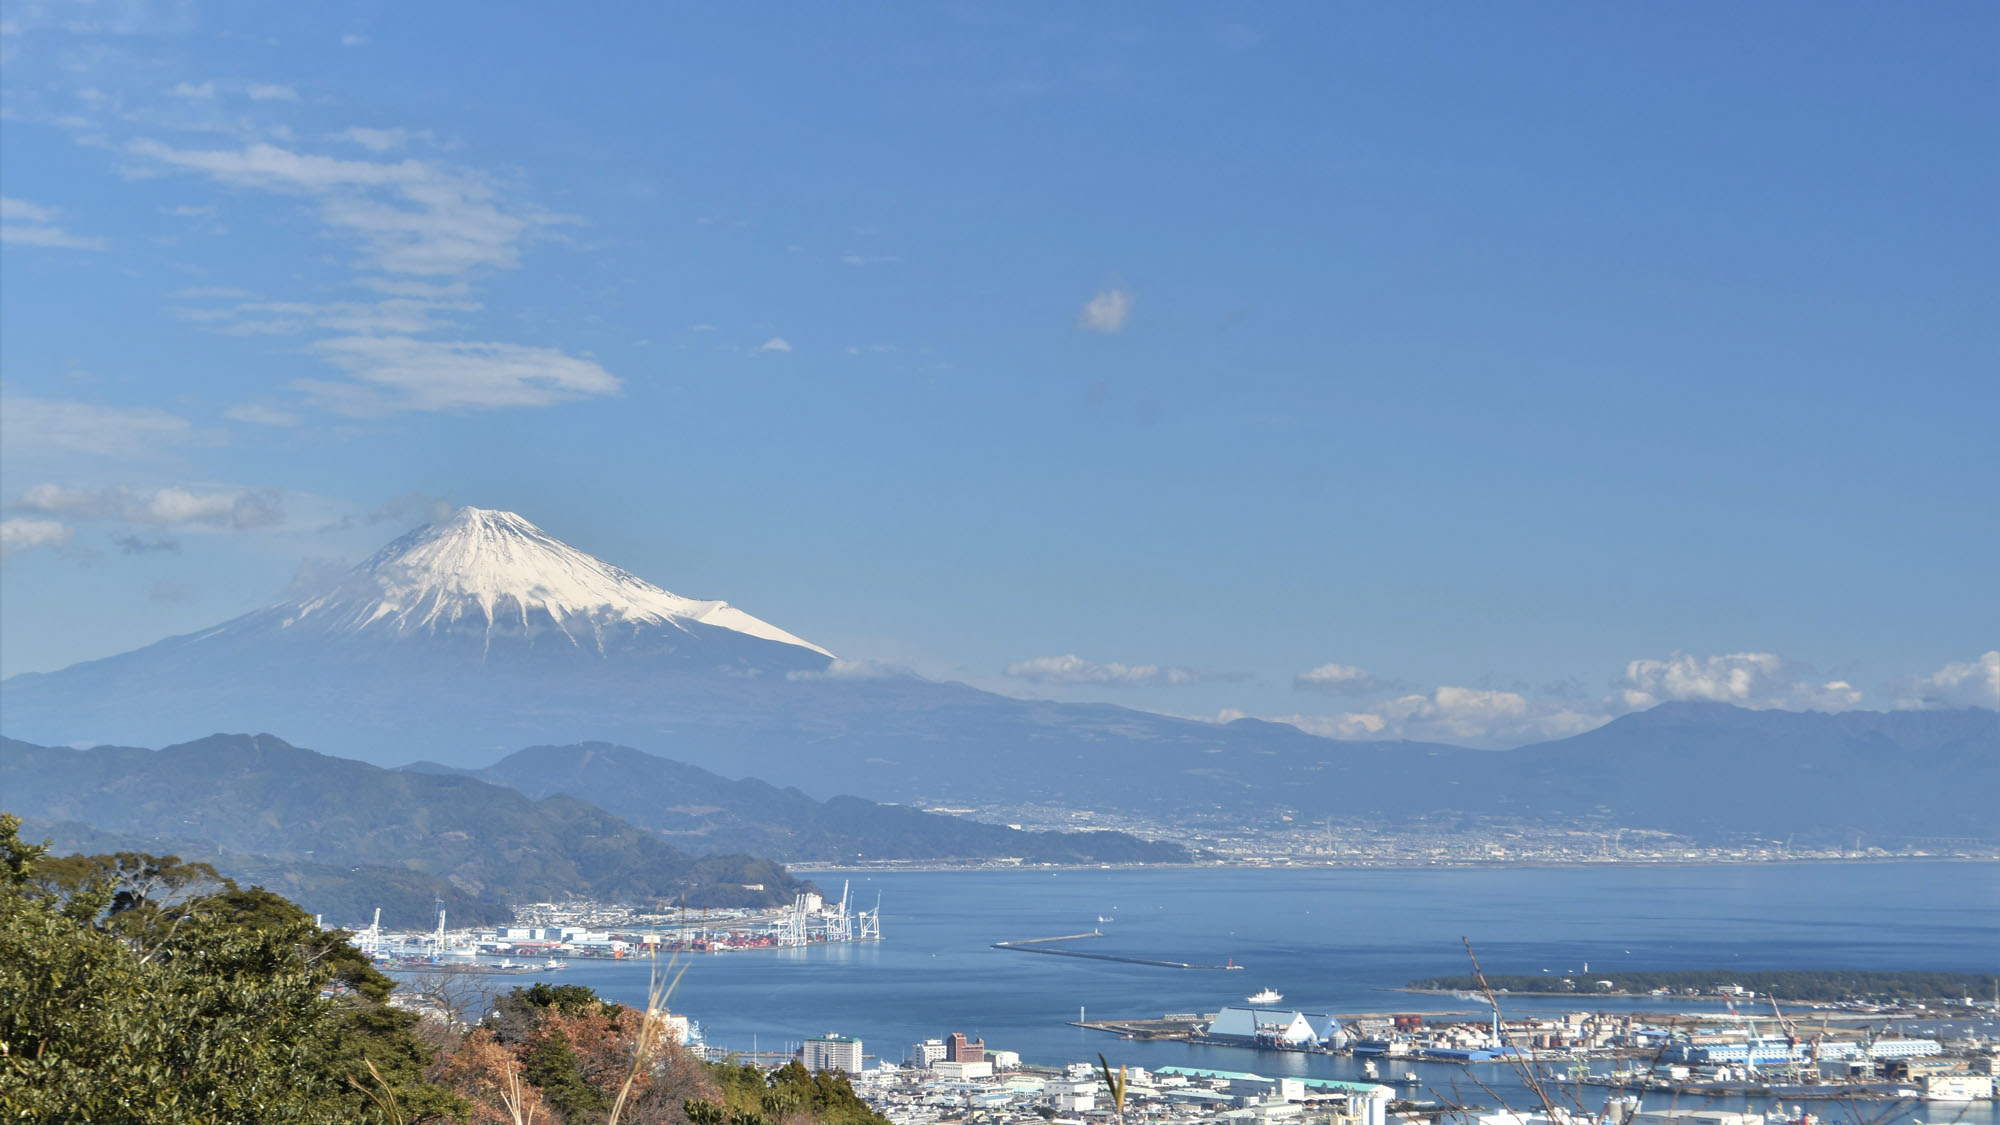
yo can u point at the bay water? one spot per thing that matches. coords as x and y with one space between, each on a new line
1331 940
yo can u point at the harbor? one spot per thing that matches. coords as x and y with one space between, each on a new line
546 936
1342 942
1680 1054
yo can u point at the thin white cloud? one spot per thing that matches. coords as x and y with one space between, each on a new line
427 290
774 344
156 507
189 90
35 426
31 224
353 40
425 230
21 535
20 210
849 670
382 140
1072 669
1495 717
56 237
261 415
399 373
1973 683
1107 311
410 216
1462 715
272 92
211 292
1337 679
395 316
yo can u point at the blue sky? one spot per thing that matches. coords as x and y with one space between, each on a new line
1466 372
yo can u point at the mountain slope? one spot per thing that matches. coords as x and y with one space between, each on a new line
704 812
494 575
481 634
1712 770
258 796
346 894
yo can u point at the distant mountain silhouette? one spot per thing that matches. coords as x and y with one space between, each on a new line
704 812
481 634
331 828
473 637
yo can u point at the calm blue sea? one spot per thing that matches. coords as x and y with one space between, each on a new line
1338 941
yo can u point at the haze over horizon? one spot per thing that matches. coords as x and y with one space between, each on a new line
1468 375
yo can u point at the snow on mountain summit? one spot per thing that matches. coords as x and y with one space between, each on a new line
497 573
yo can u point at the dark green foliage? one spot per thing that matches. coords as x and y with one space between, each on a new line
569 999
142 885
553 1067
518 1014
827 1095
752 1096
119 1006
1806 986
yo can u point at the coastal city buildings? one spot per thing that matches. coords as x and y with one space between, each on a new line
832 1052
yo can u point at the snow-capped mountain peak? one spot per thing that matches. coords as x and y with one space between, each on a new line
495 572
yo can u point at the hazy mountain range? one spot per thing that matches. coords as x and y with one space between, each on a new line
706 813
475 636
342 836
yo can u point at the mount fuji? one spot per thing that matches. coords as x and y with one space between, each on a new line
480 631
495 577
481 634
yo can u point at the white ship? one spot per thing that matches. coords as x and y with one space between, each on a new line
1265 997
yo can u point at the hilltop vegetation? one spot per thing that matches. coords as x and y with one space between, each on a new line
572 1053
145 989
138 988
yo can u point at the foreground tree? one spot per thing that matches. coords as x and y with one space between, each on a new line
140 989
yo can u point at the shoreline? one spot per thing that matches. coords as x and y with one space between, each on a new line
983 866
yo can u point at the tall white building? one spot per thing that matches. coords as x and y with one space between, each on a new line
833 1052
1074 1097
923 1054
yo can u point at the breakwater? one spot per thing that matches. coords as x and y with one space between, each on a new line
1043 945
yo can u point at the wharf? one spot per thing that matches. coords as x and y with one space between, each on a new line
1190 1030
1182 1030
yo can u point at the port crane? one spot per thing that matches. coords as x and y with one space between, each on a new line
369 941
1806 1069
438 939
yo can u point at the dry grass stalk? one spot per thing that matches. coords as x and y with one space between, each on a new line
384 1101
1116 1084
512 1098
658 988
